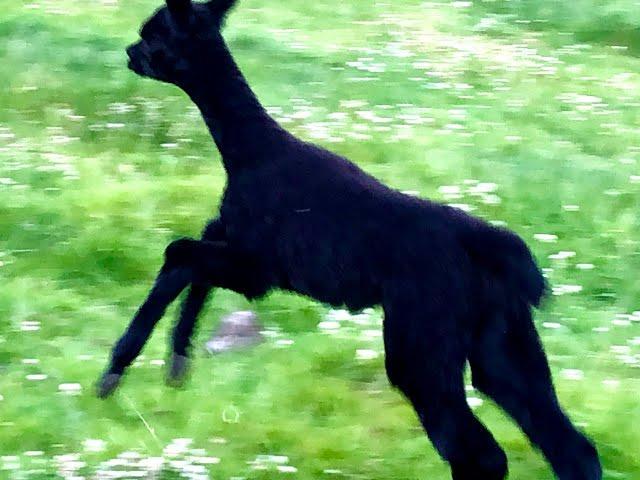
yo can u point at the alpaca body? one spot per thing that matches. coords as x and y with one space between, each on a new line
321 217
297 217
301 225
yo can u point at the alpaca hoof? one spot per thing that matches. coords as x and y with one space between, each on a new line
581 461
491 466
178 369
107 384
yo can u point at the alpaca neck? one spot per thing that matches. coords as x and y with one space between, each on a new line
240 126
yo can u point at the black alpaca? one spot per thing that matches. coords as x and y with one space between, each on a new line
297 217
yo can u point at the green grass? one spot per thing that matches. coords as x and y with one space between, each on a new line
526 112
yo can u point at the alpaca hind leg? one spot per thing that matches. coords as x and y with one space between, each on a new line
425 357
509 365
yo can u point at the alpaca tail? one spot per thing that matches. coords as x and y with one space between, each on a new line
508 258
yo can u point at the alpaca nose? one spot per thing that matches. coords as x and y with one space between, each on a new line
135 57
130 50
137 49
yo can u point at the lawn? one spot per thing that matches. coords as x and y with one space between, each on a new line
525 113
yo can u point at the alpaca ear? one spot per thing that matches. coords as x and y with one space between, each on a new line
179 7
221 7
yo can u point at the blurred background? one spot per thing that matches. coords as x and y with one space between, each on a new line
523 112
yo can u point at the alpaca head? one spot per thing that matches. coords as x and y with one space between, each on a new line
176 37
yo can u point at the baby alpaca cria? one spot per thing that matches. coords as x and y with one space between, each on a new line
297 217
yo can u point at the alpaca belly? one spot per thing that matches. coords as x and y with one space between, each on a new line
336 294
332 276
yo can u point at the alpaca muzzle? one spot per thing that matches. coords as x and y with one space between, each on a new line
139 59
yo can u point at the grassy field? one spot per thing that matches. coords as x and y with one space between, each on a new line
526 113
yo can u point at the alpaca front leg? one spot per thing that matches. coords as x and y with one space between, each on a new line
176 273
220 266
183 331
191 307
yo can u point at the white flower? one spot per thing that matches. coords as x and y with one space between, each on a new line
546 237
328 325
611 383
474 402
70 388
287 469
551 325
572 374
366 354
34 453
571 208
562 255
94 445
564 289
449 189
29 326
585 266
